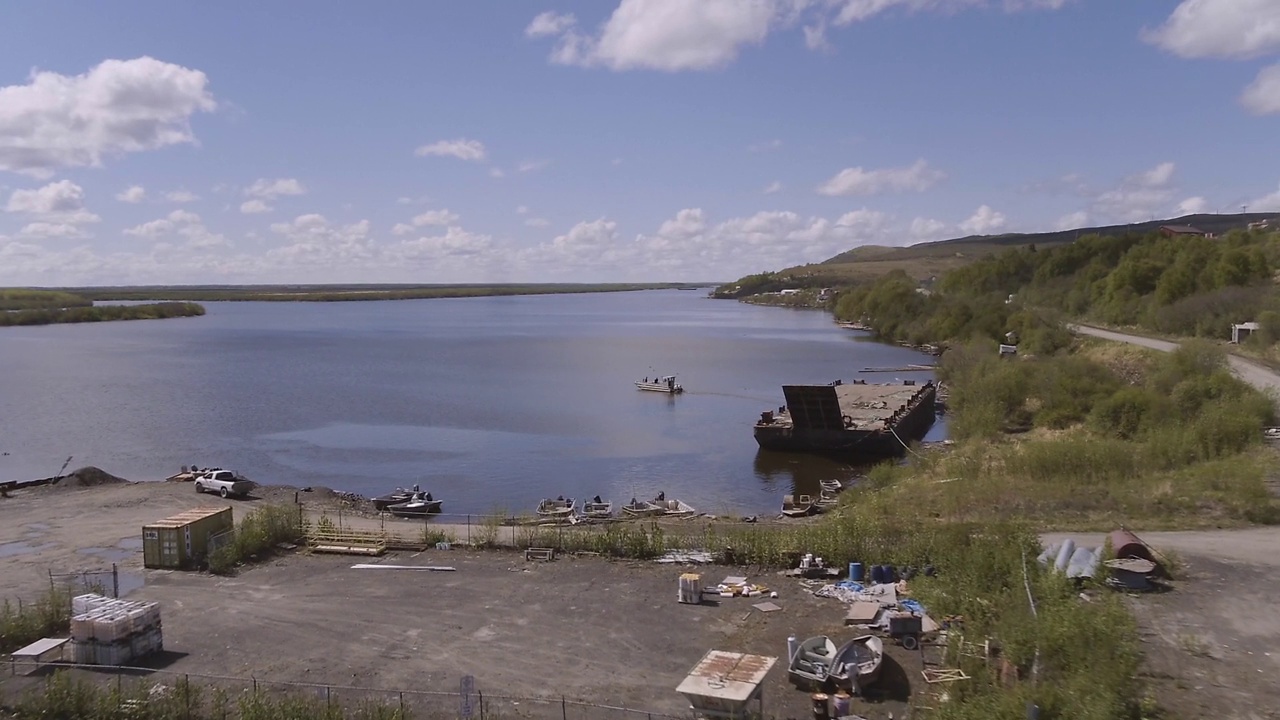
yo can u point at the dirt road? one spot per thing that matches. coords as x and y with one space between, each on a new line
1251 372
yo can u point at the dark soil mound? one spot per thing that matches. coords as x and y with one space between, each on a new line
89 477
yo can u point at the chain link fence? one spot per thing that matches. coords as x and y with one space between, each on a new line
164 694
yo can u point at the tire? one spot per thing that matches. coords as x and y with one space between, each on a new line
848 421
199 488
223 492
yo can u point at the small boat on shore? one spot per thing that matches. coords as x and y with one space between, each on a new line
560 507
811 666
857 663
395 497
675 508
641 508
419 504
665 384
794 507
825 502
597 509
831 486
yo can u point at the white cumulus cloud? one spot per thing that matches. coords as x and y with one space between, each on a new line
1193 206
549 23
58 203
254 207
133 194
1071 221
1220 29
436 217
984 221
180 196
859 181
1267 203
925 229
676 35
314 241
669 35
181 225
1262 96
117 107
270 189
461 148
1139 197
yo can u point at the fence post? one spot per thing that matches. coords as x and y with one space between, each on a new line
186 696
328 701
115 581
480 693
564 712
255 685
402 704
468 529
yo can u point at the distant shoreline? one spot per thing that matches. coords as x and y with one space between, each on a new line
102 313
353 293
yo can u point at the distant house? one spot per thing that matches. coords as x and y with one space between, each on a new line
789 291
1182 230
1242 331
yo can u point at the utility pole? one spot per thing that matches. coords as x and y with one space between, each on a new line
1243 209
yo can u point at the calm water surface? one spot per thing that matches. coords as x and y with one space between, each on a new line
487 402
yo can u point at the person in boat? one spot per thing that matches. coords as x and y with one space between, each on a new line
633 502
415 487
596 500
662 496
671 383
428 495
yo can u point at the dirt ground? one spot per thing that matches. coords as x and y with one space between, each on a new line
1212 640
584 628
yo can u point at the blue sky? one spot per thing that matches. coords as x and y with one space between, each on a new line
489 141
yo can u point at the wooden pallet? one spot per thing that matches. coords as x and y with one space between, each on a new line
348 542
543 554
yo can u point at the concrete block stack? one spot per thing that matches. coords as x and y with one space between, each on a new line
107 631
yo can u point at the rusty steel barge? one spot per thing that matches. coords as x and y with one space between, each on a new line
850 420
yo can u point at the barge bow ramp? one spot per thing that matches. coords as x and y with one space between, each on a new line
854 419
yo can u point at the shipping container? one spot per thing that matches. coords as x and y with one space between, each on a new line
182 541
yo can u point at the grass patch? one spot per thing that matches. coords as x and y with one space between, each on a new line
23 623
257 536
65 696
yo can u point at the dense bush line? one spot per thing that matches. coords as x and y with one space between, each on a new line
100 313
20 299
257 535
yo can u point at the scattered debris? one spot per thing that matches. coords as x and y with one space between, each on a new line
686 557
542 554
943 675
374 566
767 607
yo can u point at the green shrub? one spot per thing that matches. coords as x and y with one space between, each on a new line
257 536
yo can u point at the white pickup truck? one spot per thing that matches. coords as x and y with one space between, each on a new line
223 482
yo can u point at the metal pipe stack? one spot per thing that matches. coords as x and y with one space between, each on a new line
107 631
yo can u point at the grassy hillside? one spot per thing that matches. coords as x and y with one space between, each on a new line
925 261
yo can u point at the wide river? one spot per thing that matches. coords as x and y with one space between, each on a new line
487 402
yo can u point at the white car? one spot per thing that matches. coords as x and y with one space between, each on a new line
223 482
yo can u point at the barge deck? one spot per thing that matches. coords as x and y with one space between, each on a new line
853 419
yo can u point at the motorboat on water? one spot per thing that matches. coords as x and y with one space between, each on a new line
418 505
665 384
597 509
797 506
560 507
858 663
811 666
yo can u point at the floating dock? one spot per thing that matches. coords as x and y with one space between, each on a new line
856 419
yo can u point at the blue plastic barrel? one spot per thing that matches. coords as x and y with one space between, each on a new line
888 574
877 574
855 571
